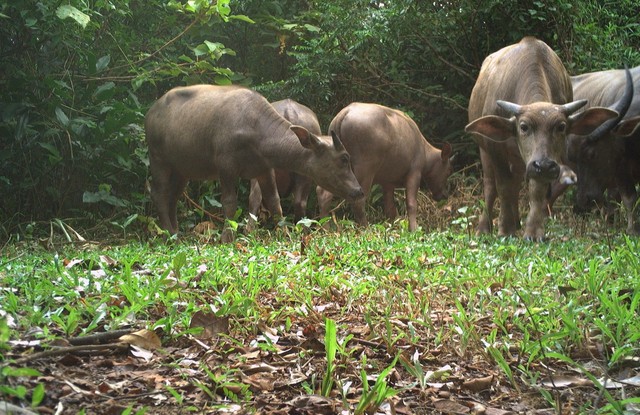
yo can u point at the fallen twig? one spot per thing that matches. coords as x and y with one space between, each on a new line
70 350
99 338
7 408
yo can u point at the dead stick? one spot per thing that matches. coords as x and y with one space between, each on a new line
8 408
99 338
67 350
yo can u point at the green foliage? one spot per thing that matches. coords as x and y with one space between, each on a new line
331 348
373 397
8 377
77 80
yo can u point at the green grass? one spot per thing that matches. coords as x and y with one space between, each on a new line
519 310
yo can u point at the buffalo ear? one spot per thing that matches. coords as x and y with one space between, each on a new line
307 139
627 128
337 143
585 122
493 127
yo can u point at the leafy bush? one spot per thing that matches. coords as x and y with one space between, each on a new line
76 84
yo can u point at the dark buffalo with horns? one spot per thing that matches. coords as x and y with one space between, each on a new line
608 159
520 112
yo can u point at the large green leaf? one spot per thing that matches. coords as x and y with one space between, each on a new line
67 10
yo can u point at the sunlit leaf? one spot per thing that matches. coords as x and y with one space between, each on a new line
62 117
241 17
67 10
103 63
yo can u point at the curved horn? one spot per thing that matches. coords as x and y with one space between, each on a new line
574 106
621 107
510 107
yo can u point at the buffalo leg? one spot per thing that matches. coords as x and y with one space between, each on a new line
229 200
534 228
255 198
411 195
629 200
485 224
177 187
166 188
301 192
270 194
324 201
508 192
359 206
389 203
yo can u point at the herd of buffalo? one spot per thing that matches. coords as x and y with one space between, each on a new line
531 121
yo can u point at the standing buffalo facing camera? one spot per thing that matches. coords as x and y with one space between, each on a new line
520 112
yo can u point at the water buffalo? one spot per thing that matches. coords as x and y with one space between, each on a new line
387 148
608 159
227 133
520 111
289 182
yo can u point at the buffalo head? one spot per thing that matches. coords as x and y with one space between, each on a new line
540 130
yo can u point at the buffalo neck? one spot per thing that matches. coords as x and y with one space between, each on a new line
281 147
432 156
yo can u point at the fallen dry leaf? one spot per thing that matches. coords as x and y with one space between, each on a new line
315 404
210 323
478 384
450 407
562 381
204 228
260 381
146 339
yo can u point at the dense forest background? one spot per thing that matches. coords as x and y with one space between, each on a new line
77 77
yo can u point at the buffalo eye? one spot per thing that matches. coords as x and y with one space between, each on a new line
524 128
562 127
344 160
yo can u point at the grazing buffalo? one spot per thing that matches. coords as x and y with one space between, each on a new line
521 110
387 148
287 181
608 159
227 133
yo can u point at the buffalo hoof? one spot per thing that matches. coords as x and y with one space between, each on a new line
535 237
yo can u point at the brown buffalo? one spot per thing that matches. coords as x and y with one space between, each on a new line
227 133
609 158
287 181
520 111
387 148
